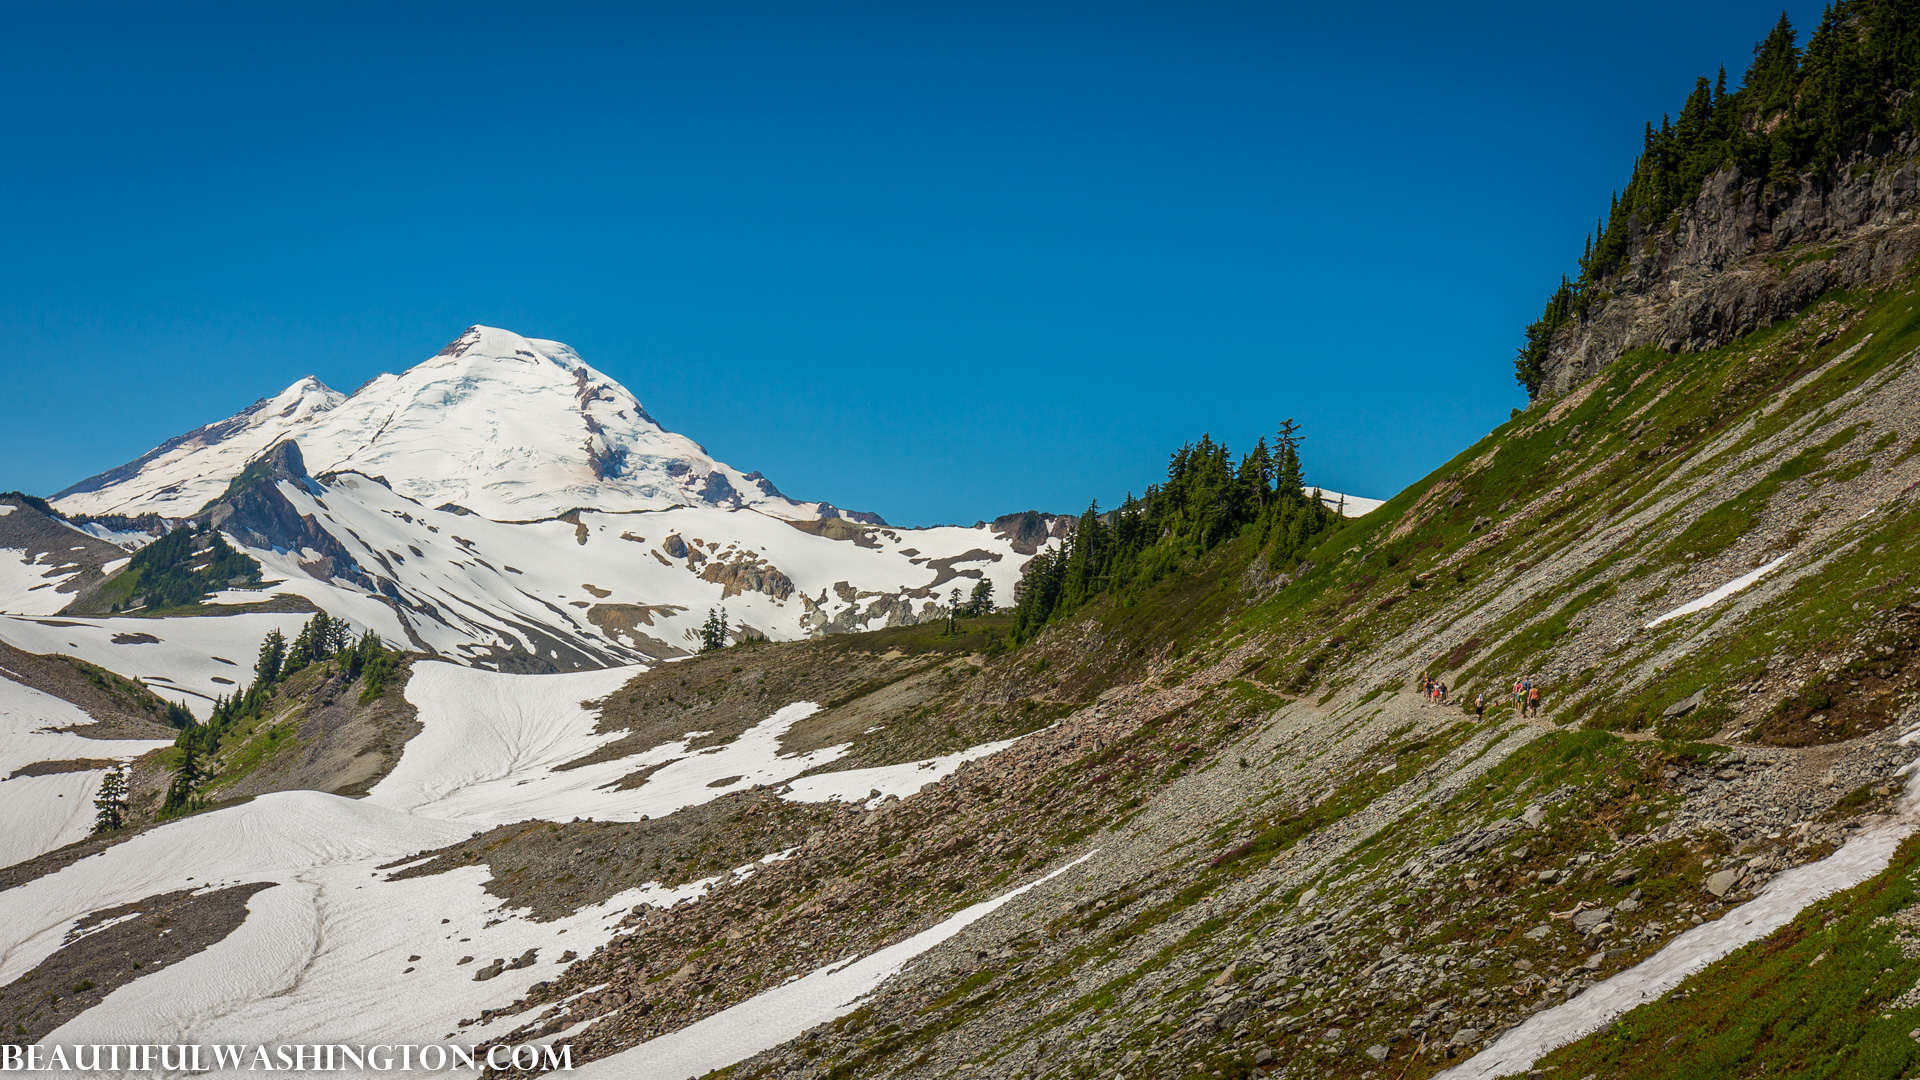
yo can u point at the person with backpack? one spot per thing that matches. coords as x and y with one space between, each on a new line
1533 700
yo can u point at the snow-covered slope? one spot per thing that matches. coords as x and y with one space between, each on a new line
44 809
594 590
1352 506
509 427
177 477
335 943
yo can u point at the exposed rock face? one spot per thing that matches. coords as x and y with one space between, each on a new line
1744 254
253 510
622 622
748 573
1027 530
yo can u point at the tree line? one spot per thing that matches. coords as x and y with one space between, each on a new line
1206 500
323 638
182 567
1796 110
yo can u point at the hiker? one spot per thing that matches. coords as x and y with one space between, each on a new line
1440 693
1533 699
1519 695
1479 706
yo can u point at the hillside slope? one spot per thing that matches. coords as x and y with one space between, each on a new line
1207 826
1293 861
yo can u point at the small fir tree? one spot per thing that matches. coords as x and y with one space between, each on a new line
110 805
185 778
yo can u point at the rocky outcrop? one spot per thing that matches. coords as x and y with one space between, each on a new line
1029 529
253 510
747 572
1743 254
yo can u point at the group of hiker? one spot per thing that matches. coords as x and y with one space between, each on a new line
1526 696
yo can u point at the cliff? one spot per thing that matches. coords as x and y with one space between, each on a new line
1743 254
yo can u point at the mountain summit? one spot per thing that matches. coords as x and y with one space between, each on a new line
509 427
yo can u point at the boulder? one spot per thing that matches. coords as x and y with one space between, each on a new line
1589 920
1685 705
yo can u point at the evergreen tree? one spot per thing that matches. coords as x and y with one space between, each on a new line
1204 502
370 660
1256 475
186 777
713 635
273 653
981 602
1289 479
1087 556
110 805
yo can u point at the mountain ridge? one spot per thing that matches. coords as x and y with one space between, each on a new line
511 427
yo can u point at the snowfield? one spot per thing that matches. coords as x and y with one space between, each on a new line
324 953
785 1012
46 812
622 588
28 587
492 744
190 660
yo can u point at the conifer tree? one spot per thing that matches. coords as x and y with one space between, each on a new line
713 635
186 777
1290 481
981 602
273 653
110 805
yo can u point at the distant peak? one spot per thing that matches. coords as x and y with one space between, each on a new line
491 342
304 398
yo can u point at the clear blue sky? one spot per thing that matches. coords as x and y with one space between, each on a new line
937 261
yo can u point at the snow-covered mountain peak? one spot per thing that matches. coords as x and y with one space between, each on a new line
510 427
177 477
303 400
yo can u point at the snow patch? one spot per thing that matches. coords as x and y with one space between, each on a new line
1738 584
1352 506
180 666
1690 953
492 745
785 1012
897 780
